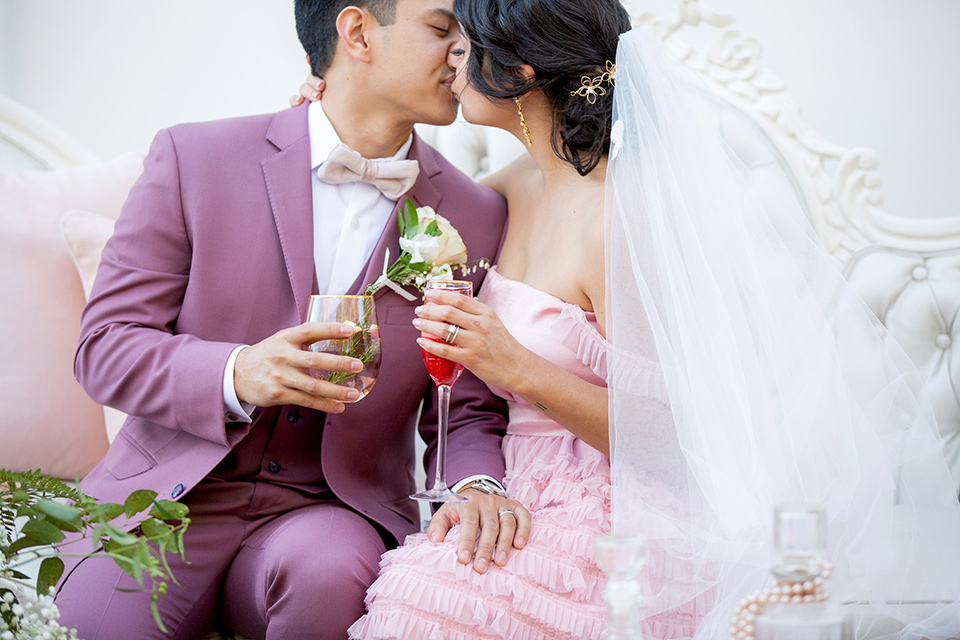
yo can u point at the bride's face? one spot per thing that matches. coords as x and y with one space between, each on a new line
475 107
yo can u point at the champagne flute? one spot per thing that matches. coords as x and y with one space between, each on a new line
364 344
444 373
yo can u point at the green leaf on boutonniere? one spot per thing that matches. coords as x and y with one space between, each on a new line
433 229
409 219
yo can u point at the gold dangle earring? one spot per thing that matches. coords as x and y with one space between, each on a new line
523 123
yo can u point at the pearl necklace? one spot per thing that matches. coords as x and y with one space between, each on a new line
784 592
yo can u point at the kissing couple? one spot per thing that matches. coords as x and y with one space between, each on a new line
601 391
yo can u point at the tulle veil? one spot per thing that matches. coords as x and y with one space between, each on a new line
744 373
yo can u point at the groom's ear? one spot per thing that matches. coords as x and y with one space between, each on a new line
354 28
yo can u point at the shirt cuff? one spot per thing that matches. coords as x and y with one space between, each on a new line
470 479
233 409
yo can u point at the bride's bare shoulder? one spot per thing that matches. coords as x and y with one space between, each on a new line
511 176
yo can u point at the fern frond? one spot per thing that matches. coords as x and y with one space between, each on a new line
37 485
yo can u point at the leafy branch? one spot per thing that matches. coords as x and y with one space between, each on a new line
37 511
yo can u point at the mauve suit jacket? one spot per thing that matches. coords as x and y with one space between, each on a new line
213 249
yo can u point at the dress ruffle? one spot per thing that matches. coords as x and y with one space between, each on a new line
642 376
638 375
550 589
580 336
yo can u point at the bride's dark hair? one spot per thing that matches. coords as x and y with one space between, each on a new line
563 40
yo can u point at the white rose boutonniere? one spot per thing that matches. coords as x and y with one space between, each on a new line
430 248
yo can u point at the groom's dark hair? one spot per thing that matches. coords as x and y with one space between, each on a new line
317 25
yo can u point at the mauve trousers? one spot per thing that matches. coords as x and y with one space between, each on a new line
265 560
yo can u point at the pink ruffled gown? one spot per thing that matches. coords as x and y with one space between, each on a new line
552 588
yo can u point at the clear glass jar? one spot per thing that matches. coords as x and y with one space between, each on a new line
800 548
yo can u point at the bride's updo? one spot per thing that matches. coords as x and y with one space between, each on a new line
564 41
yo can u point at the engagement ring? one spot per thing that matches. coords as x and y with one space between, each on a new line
452 332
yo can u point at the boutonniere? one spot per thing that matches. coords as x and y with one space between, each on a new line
430 249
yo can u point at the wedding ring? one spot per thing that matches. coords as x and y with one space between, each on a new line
452 332
504 512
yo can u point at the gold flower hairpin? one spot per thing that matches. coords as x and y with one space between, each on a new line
592 88
610 75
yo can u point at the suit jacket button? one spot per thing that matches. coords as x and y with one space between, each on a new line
274 467
177 490
293 416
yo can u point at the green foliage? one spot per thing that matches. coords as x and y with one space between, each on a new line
407 219
361 346
407 273
37 511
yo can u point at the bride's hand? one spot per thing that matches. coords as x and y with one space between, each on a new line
311 90
483 345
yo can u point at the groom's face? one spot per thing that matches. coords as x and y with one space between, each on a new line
412 72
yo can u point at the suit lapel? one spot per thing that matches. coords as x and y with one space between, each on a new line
423 193
289 188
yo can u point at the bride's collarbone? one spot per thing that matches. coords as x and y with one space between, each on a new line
548 273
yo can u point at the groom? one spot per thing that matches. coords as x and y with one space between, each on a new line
194 328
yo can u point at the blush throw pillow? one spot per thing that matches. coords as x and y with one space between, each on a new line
86 233
48 422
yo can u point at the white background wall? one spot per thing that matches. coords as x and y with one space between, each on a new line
876 73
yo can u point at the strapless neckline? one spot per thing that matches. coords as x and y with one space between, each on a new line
589 316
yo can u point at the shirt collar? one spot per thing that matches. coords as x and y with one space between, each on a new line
323 137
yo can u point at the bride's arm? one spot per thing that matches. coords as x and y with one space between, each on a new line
484 346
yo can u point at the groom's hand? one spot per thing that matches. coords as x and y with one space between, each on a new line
274 371
498 534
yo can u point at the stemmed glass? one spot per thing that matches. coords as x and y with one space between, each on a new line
619 556
444 373
363 345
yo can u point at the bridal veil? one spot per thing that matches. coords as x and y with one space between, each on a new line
744 373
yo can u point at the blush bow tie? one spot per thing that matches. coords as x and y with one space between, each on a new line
393 177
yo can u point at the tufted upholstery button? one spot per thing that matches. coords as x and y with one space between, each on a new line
273 467
177 490
944 340
919 272
293 416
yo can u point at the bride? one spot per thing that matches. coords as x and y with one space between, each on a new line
679 357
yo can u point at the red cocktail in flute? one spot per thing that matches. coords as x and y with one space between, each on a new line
444 373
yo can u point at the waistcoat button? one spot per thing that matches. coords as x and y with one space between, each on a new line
293 416
274 466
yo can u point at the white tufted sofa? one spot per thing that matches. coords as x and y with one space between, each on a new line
916 294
